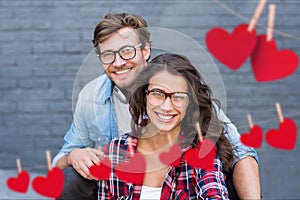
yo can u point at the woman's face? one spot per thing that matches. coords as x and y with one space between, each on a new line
166 112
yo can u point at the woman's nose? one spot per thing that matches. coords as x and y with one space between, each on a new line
167 104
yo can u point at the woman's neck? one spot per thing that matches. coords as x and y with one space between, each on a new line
161 141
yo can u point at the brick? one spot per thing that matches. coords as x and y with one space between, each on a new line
63 83
44 72
7 61
36 94
6 84
33 107
16 72
33 83
63 107
9 158
8 107
5 13
47 47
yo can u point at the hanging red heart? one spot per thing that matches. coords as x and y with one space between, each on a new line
285 137
171 157
203 156
50 186
268 64
19 184
231 49
254 138
132 171
102 170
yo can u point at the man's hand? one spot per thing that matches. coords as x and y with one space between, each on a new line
83 159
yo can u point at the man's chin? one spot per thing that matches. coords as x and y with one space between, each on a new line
124 84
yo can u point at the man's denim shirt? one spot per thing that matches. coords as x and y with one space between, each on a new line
94 120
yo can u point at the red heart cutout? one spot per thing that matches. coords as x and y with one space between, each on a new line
231 49
254 138
206 154
102 170
132 171
268 64
52 185
285 137
171 157
19 184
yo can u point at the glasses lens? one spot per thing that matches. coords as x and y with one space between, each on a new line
156 98
180 99
107 57
127 52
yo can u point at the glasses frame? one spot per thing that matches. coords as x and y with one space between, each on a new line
168 95
118 52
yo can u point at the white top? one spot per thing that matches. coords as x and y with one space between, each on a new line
150 193
121 107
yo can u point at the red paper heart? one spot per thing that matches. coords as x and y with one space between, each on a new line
254 138
102 170
203 156
284 138
231 50
132 171
172 157
19 184
52 185
268 64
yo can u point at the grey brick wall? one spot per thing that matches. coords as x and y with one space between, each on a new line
43 44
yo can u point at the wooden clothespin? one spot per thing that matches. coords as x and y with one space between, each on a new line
256 15
250 121
280 116
271 20
19 165
48 157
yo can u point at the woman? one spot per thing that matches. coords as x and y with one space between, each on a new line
172 113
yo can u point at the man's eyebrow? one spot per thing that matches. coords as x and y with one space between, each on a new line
110 50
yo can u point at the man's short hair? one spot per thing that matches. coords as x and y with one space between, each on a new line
115 21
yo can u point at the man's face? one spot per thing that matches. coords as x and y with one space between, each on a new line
123 72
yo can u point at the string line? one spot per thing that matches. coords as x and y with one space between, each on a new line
39 167
247 19
269 120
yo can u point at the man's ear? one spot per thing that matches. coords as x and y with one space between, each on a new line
146 51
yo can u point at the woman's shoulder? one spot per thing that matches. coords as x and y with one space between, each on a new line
215 166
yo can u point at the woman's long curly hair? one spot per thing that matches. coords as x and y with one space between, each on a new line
201 109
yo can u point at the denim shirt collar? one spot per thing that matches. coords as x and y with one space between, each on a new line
103 89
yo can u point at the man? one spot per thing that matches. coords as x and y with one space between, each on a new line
101 114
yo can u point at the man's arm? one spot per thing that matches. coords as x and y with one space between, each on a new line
79 135
62 162
245 165
246 179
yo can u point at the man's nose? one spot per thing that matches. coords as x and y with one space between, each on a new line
118 61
